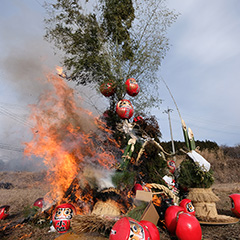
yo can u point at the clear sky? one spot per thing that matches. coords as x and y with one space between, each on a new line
201 69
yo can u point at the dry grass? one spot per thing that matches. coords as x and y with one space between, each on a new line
27 187
18 199
225 169
23 180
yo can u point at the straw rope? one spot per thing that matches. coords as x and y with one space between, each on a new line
165 189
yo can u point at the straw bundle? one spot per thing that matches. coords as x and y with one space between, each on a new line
108 208
204 202
202 195
106 211
92 223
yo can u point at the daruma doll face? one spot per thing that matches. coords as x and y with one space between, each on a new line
62 216
124 109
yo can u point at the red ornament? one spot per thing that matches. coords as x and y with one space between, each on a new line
62 216
154 233
188 227
171 218
38 203
138 119
136 187
172 166
4 212
235 200
132 87
108 88
124 109
187 205
129 229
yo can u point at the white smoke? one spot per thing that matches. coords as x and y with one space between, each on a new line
98 177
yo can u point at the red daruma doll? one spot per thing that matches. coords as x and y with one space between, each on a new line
4 211
132 87
39 203
62 216
108 88
124 109
235 200
187 206
129 229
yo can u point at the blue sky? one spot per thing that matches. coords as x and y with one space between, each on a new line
201 69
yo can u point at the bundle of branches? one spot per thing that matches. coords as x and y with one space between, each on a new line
192 175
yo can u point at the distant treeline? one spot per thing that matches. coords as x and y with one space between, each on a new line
233 152
182 145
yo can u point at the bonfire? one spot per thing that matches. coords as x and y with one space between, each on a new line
80 153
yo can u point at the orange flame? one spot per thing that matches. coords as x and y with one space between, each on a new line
67 137
60 71
26 236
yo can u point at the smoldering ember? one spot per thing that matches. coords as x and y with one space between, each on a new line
119 182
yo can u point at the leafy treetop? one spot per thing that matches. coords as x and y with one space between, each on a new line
110 39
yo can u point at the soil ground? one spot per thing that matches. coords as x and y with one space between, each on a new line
24 188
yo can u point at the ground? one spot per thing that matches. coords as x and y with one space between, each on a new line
25 187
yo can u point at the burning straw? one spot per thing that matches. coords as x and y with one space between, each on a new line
68 138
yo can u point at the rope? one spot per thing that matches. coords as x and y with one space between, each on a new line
166 190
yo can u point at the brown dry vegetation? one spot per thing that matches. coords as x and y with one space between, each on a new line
28 186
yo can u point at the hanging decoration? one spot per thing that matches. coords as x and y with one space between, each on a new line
124 109
132 87
171 165
138 119
108 88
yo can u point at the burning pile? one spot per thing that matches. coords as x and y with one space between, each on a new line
81 156
77 148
